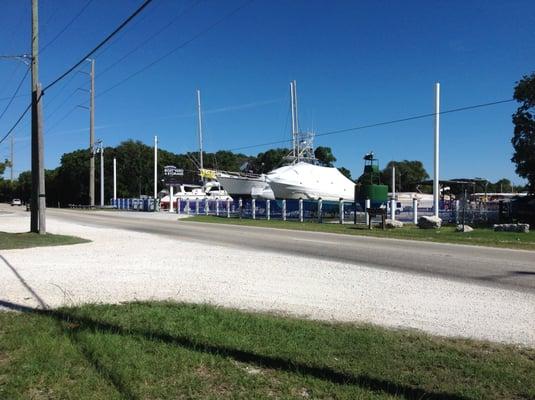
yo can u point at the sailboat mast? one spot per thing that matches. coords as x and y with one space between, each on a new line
295 123
293 116
200 127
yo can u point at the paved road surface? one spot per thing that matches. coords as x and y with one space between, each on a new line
511 269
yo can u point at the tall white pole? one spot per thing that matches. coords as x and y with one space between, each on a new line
393 182
295 105
155 166
200 127
296 123
171 200
436 185
101 175
114 179
293 117
393 200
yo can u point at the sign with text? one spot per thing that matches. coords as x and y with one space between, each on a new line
172 174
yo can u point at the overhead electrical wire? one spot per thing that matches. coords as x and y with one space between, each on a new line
174 50
131 26
62 31
173 21
16 92
374 125
102 43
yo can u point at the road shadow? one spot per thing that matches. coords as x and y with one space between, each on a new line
276 363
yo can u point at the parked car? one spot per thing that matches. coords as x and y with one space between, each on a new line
16 202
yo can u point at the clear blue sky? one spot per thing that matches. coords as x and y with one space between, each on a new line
355 63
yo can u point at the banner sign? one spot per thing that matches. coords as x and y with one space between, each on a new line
171 174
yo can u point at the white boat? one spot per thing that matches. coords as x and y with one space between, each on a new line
404 199
301 178
310 182
239 184
184 192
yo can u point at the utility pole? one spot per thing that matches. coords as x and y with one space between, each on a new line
38 199
200 127
11 159
92 135
436 184
155 167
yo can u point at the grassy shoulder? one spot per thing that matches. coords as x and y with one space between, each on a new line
447 234
165 350
27 239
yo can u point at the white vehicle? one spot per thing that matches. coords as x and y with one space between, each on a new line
16 202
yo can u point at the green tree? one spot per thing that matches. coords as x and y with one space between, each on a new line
524 132
71 180
325 156
409 174
3 167
24 186
269 160
345 172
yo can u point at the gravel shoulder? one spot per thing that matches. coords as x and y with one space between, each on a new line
120 265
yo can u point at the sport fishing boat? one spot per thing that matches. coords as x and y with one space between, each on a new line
301 178
310 182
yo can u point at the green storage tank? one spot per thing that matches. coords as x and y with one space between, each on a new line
371 187
378 195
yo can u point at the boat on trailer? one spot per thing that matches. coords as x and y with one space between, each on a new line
300 178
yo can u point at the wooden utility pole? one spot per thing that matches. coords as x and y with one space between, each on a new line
38 199
92 136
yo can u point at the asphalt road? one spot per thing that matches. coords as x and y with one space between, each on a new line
511 269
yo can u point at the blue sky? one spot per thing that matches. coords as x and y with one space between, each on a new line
355 63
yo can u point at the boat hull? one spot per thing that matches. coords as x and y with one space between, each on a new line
238 186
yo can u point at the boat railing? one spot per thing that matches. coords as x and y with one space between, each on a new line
239 174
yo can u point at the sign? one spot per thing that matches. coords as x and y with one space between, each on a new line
171 174
208 173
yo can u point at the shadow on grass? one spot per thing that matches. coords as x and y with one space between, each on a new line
276 363
71 334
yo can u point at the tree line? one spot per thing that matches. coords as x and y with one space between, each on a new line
69 182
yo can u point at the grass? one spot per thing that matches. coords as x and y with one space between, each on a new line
27 239
178 351
446 234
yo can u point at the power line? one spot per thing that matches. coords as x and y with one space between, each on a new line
391 122
16 92
62 31
166 26
174 50
102 43
16 123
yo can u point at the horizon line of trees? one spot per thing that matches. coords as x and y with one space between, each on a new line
69 182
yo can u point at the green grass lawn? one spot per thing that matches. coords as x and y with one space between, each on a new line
447 234
177 351
27 239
